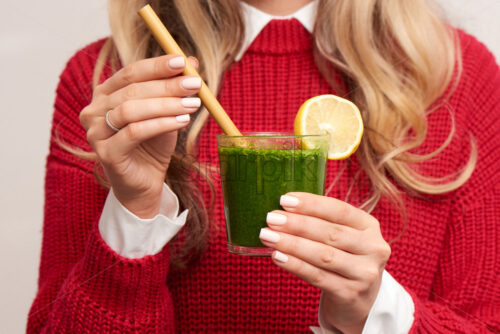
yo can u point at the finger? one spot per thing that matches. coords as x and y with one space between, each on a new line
335 235
144 70
327 208
98 131
180 86
319 255
134 134
317 277
194 61
139 110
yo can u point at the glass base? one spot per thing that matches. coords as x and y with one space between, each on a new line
249 251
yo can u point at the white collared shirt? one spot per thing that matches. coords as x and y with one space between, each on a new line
132 237
256 20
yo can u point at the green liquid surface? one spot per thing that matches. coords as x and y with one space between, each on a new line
253 181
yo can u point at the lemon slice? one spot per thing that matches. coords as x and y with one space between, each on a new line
337 117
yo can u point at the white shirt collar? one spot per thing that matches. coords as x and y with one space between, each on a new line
256 20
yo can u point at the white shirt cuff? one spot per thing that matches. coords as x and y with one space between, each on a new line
133 237
392 312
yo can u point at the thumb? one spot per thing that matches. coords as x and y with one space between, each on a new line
194 62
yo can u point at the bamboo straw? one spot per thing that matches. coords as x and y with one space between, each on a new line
169 45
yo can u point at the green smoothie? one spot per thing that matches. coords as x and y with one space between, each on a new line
253 179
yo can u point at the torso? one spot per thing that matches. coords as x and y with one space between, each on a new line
230 293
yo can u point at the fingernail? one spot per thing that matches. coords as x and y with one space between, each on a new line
268 235
279 256
275 218
289 201
177 62
191 102
182 118
191 83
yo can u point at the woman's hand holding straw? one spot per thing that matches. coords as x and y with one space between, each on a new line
169 45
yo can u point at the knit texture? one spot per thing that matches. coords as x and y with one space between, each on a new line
447 259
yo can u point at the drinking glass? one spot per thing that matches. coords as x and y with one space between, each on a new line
256 169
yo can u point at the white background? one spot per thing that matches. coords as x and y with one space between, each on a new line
36 39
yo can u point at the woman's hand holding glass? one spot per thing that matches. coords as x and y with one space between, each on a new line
333 246
147 102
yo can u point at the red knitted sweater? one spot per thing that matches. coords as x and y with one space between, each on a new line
448 258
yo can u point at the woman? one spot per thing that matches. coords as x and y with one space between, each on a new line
405 239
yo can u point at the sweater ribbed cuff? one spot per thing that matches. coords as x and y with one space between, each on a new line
124 284
427 322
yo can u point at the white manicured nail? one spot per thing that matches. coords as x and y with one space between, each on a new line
191 102
268 235
279 256
182 118
275 218
191 83
289 201
177 62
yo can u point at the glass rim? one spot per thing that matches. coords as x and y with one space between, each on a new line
271 134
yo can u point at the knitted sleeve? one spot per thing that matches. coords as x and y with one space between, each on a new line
83 286
466 294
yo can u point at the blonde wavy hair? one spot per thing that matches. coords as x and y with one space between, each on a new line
396 57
